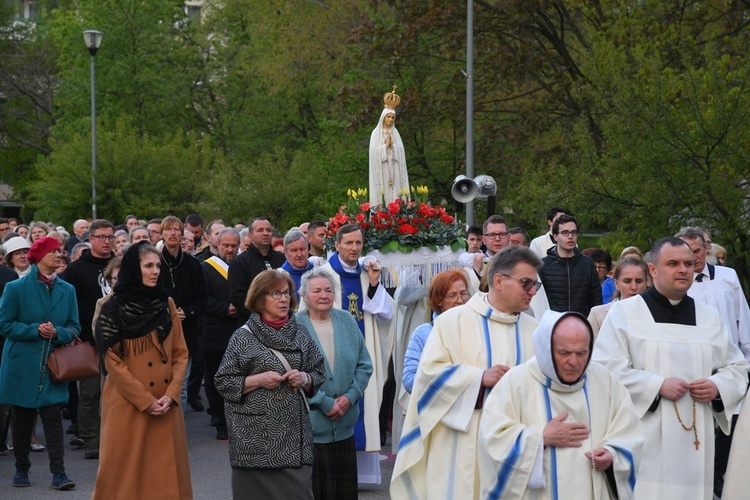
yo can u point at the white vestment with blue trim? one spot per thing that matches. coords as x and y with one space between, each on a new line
511 436
437 455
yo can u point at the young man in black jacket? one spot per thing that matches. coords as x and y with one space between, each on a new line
570 278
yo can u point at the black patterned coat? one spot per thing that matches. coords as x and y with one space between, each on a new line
268 429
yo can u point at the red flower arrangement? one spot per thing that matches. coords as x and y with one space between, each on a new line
404 225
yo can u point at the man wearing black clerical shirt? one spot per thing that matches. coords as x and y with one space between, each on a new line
681 368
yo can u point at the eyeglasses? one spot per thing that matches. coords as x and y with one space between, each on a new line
103 237
526 283
601 267
568 233
453 296
495 236
276 295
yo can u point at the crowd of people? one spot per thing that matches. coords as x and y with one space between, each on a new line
534 369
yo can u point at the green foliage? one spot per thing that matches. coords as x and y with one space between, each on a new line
144 69
135 174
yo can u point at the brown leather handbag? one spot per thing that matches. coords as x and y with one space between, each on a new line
75 361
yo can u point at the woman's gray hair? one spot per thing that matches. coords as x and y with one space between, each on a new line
316 272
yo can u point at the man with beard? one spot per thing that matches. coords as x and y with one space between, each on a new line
182 276
219 320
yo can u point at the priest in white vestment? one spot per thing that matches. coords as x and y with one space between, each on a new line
682 370
557 426
719 287
470 348
369 303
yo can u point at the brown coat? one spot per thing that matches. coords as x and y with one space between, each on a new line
143 456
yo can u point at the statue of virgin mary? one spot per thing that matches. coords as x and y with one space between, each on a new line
388 175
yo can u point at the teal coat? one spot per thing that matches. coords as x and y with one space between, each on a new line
25 304
353 370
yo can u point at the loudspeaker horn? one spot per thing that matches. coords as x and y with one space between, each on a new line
464 189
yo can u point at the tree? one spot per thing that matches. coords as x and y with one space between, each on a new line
136 174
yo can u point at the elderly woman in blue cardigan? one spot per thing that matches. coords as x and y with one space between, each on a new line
334 409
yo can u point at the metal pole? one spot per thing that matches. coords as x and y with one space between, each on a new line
93 138
470 104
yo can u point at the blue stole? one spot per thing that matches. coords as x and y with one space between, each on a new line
351 301
351 291
296 275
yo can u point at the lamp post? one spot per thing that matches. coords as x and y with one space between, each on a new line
470 104
93 40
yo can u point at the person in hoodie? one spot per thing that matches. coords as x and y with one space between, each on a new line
559 426
470 349
570 278
86 274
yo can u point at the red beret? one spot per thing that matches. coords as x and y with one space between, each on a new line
42 247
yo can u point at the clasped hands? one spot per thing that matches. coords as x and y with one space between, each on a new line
561 435
47 330
160 406
341 405
271 379
702 390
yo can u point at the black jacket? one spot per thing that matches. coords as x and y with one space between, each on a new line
571 284
87 276
242 271
218 326
182 276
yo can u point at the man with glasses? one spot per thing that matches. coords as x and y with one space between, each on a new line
542 243
470 349
86 274
570 278
495 237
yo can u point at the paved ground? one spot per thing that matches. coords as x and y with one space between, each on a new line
209 468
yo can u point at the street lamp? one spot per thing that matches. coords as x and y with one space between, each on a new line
93 40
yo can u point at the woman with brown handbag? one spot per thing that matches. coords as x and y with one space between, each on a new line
37 313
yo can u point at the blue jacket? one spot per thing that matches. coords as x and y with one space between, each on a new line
25 304
353 370
413 353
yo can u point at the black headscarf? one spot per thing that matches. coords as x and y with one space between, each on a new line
134 311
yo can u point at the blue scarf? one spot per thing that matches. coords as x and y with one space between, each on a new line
296 275
351 291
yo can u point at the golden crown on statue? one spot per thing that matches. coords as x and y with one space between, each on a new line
391 99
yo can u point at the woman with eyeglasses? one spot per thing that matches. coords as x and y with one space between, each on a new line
447 290
270 368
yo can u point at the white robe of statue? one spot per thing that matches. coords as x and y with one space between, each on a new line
387 164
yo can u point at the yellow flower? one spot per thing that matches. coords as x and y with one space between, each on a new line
412 189
348 193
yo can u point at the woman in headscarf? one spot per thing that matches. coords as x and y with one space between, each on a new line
388 175
143 451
